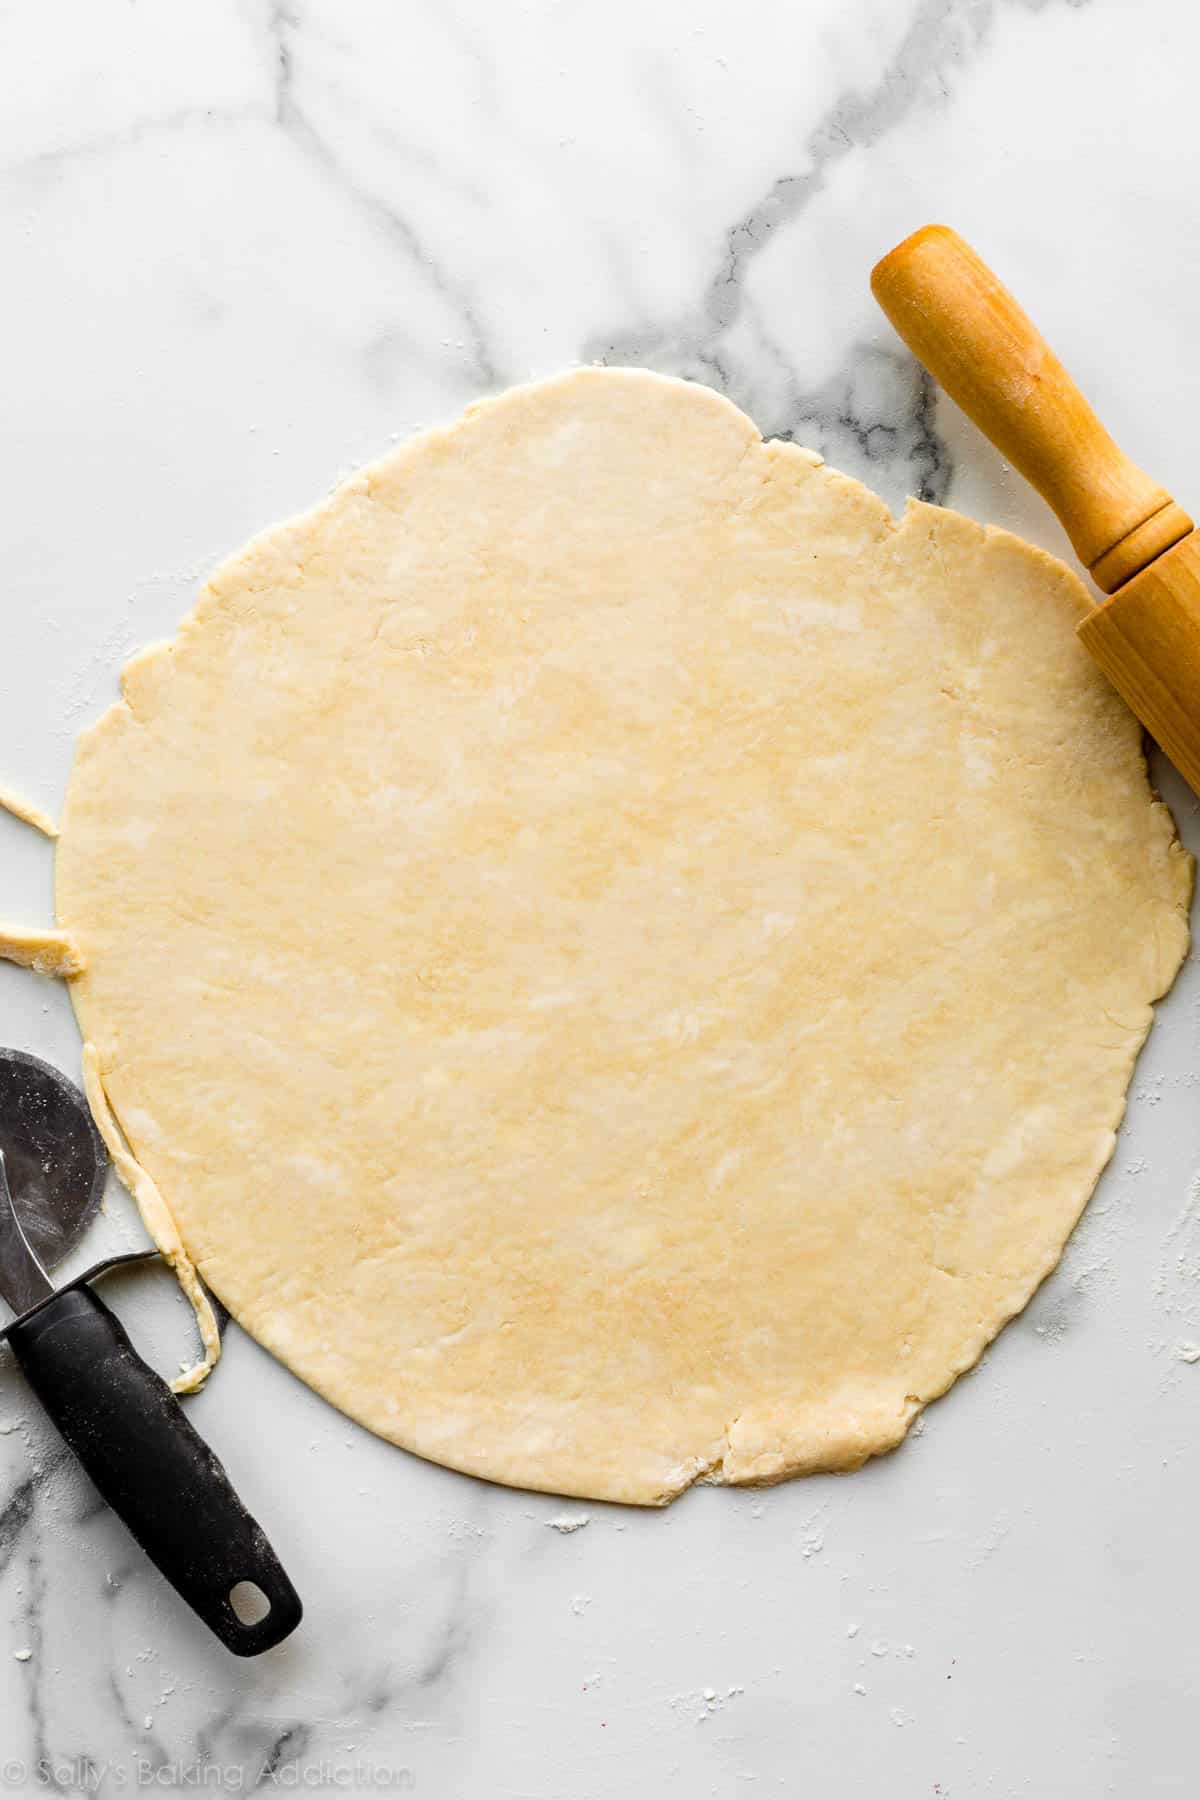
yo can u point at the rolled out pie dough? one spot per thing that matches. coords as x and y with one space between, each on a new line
623 962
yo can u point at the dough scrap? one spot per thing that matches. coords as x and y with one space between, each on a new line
156 1217
45 952
27 811
623 961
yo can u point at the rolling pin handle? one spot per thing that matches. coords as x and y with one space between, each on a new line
969 332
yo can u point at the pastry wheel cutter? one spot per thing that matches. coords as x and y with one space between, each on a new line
118 1416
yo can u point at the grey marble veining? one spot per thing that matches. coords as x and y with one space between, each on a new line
248 246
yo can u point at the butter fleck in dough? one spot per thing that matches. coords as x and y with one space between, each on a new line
622 962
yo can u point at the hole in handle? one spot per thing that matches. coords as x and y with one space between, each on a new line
249 1603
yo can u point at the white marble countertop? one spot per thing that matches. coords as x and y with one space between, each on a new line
248 246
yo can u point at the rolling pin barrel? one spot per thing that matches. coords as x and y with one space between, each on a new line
1137 544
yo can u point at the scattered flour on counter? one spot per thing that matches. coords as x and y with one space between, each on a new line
23 1655
463 1528
989 1543
812 1533
1178 1280
566 1523
703 1705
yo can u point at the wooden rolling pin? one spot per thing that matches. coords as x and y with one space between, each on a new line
1136 543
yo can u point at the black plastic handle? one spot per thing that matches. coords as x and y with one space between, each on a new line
152 1467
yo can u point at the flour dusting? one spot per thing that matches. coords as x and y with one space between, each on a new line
566 1523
